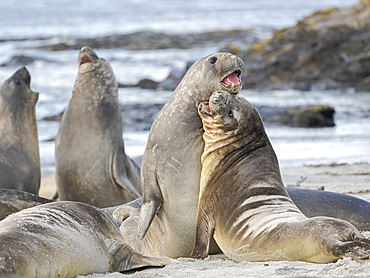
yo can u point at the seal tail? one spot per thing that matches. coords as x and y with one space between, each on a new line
127 259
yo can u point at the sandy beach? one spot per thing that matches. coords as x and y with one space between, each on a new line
353 179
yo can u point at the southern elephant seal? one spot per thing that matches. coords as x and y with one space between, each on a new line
12 201
65 239
171 164
311 202
243 203
19 145
91 164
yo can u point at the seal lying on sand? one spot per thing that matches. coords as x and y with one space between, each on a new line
91 164
243 203
171 163
65 239
19 145
12 201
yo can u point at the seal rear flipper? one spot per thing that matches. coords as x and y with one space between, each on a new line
126 259
204 232
357 249
120 180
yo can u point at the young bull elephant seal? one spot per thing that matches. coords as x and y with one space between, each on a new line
171 163
91 164
243 203
19 145
65 239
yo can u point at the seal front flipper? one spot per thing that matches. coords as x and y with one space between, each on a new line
119 179
204 232
152 202
126 259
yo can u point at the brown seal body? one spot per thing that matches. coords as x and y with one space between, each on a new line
65 239
91 164
171 164
243 203
19 145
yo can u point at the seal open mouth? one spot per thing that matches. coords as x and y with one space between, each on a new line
87 55
87 60
232 80
205 109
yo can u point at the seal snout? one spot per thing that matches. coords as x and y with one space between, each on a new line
205 109
22 75
218 102
87 55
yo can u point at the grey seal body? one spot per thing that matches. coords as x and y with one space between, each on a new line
91 164
324 203
19 146
65 239
12 201
171 164
243 203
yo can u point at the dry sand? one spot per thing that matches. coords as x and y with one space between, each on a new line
353 179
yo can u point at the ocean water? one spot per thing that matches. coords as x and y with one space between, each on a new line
27 24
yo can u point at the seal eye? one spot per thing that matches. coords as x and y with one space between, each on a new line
18 82
231 115
213 60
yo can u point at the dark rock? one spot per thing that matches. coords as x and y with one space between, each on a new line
147 84
299 116
327 50
19 60
147 40
311 116
54 118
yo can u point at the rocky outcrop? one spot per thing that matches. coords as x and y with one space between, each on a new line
147 40
327 50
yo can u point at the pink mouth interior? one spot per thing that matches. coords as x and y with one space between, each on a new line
87 61
231 79
206 109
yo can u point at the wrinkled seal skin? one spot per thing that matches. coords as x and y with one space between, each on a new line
65 239
91 164
171 163
243 203
19 146
12 201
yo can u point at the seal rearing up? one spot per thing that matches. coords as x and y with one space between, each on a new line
19 145
243 203
90 160
171 164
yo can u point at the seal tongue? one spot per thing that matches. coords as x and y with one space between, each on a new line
231 79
